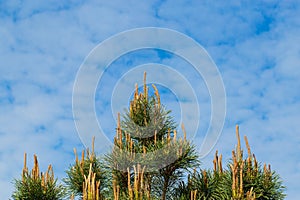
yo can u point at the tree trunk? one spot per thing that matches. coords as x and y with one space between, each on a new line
165 188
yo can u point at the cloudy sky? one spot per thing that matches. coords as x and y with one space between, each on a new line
254 45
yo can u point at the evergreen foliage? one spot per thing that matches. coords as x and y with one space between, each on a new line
35 185
147 137
243 179
150 161
81 169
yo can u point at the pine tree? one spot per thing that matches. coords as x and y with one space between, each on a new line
82 170
146 139
244 179
37 185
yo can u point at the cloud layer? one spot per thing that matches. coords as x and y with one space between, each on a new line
254 45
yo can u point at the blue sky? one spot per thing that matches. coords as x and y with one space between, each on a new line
254 44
